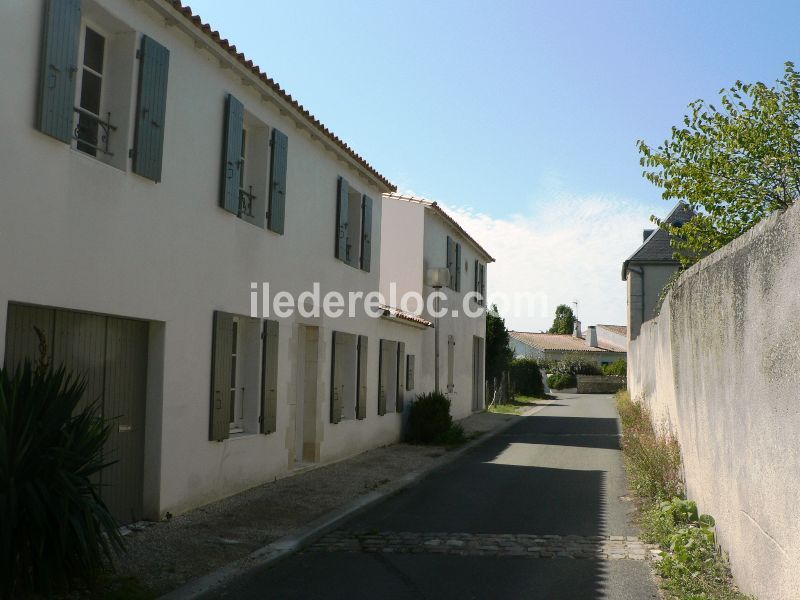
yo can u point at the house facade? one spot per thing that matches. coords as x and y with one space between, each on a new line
160 191
648 269
602 344
418 236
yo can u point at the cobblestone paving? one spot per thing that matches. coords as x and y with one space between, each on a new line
612 547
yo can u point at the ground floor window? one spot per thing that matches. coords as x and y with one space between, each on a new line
392 376
349 362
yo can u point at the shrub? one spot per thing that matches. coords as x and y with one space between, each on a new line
428 418
526 378
56 528
574 366
453 436
618 368
560 381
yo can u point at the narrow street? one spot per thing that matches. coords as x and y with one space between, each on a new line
538 511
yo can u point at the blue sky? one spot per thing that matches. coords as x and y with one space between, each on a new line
515 111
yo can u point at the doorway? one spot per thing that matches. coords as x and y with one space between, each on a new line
306 446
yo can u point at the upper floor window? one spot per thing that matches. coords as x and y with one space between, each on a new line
454 263
353 227
87 86
254 168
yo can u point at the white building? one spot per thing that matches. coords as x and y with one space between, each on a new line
417 235
603 344
152 174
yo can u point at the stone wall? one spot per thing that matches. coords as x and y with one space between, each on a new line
720 367
599 384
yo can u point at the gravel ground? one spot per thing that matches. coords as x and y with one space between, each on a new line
164 555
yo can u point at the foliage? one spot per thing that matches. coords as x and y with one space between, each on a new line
56 527
526 378
654 459
454 436
618 368
573 366
559 381
733 164
498 351
428 418
564 321
690 565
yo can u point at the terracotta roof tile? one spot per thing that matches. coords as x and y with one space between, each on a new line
559 342
396 313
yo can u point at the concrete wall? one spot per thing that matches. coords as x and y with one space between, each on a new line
599 384
720 367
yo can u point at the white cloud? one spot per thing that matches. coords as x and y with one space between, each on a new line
569 249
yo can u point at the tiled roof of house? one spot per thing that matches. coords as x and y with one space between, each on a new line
215 37
396 313
657 248
434 206
560 342
618 329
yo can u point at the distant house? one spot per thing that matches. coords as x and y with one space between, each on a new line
603 344
648 269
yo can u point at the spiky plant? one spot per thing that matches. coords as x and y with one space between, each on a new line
55 529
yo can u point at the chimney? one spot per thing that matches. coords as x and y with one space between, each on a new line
646 234
591 336
576 329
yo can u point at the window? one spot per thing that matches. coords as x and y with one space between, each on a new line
348 376
392 377
454 264
87 131
243 375
410 372
249 158
88 83
480 281
353 227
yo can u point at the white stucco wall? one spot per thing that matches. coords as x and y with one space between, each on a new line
644 285
720 367
83 235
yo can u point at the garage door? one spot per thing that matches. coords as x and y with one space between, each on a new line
112 353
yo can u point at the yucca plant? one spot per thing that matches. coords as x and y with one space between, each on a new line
56 529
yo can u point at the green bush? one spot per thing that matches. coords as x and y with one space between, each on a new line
526 378
559 381
618 368
573 366
453 436
428 419
56 528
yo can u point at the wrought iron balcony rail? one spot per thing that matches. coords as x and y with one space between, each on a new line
246 199
92 131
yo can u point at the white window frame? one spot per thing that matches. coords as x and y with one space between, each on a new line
89 24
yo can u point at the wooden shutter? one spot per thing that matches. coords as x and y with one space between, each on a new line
58 67
231 154
451 347
410 372
451 259
401 379
366 233
342 207
277 189
151 107
269 377
476 276
221 345
458 268
336 384
361 394
382 378
483 283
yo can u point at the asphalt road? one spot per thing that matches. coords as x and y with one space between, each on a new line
558 472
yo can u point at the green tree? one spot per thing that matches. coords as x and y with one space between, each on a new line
733 164
498 351
564 321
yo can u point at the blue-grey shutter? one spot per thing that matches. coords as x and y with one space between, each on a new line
451 261
269 377
401 376
221 345
151 108
277 189
336 385
483 283
366 233
410 372
458 268
231 154
342 207
382 377
58 67
476 288
361 394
